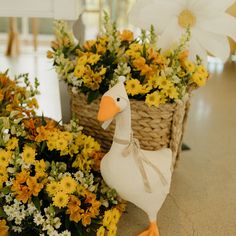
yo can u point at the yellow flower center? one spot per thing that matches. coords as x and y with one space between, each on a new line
187 18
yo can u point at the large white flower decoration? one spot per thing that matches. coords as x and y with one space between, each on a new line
210 24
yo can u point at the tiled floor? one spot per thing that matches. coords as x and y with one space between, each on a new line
203 193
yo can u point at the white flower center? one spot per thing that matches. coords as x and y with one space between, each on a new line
187 18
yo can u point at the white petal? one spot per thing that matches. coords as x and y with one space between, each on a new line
212 5
215 44
224 24
152 12
196 49
171 35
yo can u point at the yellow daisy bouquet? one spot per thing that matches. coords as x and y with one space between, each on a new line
50 181
153 75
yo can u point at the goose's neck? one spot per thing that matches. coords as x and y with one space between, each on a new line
123 124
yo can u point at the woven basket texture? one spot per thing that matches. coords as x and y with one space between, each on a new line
155 128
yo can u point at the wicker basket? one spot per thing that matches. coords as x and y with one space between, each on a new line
154 127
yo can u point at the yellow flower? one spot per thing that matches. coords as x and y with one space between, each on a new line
61 144
86 219
146 88
82 162
3 228
100 48
33 103
89 44
28 154
102 71
60 200
93 58
90 146
50 54
112 230
5 157
127 35
80 139
74 209
66 135
107 218
136 47
12 143
153 99
139 63
40 167
53 188
3 175
74 149
198 79
153 82
202 71
82 60
79 71
133 86
115 215
34 186
163 83
68 184
81 190
101 231
23 194
189 66
171 92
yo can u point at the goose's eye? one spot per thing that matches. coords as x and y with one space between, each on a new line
118 99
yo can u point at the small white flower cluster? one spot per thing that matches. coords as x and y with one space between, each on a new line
86 180
65 65
49 223
17 212
10 125
112 33
122 70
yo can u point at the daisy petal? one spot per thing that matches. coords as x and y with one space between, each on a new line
171 35
196 49
223 24
215 44
151 12
212 5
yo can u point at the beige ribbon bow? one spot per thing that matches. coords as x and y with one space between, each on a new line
133 147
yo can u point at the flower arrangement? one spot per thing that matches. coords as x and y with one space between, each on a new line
153 75
50 183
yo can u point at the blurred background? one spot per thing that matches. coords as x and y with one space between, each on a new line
203 193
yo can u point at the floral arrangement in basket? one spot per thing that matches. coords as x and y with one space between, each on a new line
153 75
50 182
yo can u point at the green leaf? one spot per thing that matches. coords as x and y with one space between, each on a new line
36 202
92 95
67 222
43 146
79 229
2 213
6 190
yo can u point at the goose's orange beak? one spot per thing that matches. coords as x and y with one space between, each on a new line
108 109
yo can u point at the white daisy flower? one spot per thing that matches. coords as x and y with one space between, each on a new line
17 229
8 198
38 219
18 221
210 24
57 222
65 233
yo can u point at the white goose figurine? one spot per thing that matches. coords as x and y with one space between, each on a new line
139 176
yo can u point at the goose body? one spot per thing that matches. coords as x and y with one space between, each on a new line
138 170
123 174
